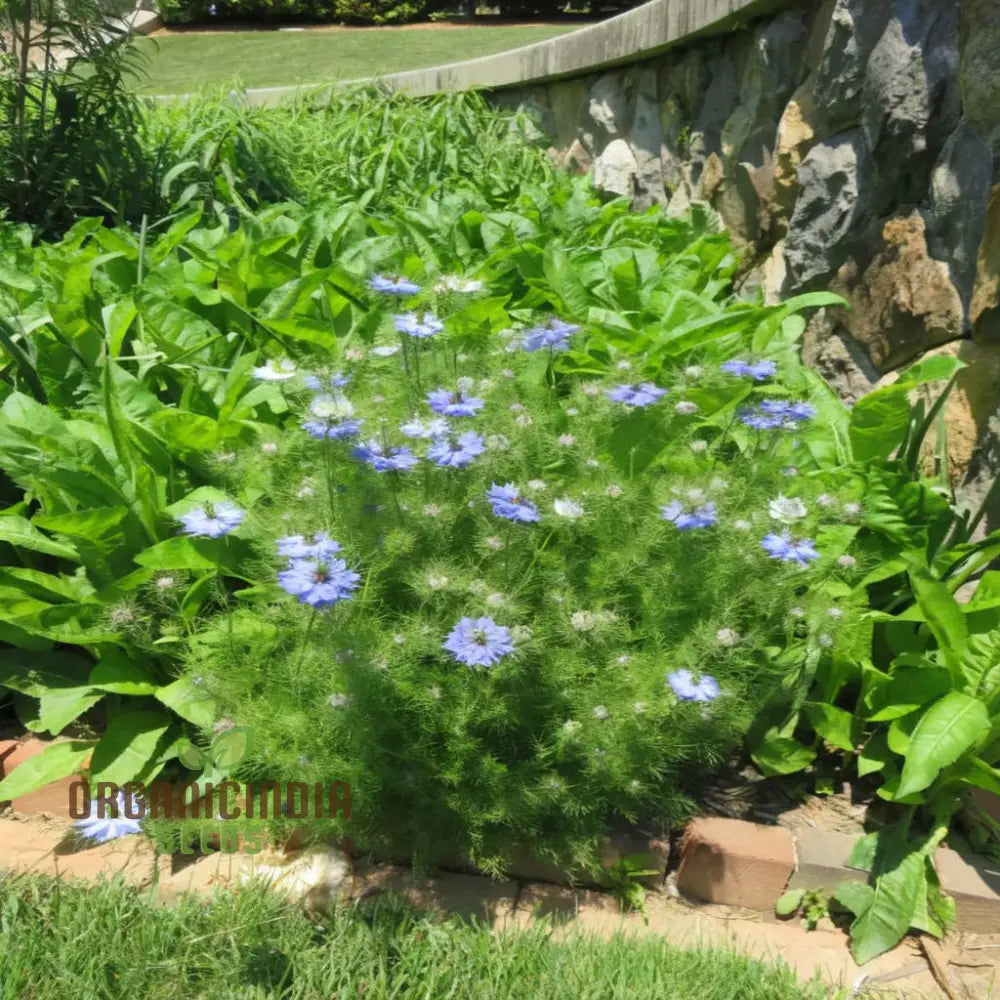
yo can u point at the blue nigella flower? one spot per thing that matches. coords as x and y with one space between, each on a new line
702 517
319 582
784 410
758 421
683 684
326 383
318 546
636 395
508 502
434 428
456 454
552 334
453 404
212 520
759 371
392 284
383 459
479 642
332 430
425 325
115 823
788 549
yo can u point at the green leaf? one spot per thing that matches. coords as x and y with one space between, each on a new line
181 553
88 524
943 615
127 746
781 755
836 726
21 532
61 706
947 729
189 701
857 897
907 689
884 923
875 755
56 761
789 902
119 674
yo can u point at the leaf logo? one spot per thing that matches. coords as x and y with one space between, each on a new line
224 753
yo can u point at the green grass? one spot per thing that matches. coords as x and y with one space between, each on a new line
184 63
107 941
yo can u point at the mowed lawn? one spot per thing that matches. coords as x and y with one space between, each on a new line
185 62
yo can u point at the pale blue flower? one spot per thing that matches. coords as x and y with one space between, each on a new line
392 284
683 684
319 582
385 459
553 335
759 371
317 546
328 384
701 517
642 394
332 430
507 502
425 325
453 404
115 823
458 453
425 429
788 549
212 520
479 642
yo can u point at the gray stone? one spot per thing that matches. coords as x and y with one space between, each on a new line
851 33
673 150
910 99
835 179
829 351
646 140
960 193
720 99
979 67
615 170
607 110
738 203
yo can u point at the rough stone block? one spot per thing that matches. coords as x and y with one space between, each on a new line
821 858
736 863
974 883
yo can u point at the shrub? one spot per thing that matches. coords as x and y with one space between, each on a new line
322 11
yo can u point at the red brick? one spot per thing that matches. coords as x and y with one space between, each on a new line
736 863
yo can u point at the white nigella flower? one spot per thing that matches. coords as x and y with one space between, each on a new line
583 621
825 500
465 385
694 494
507 373
694 371
639 707
399 638
478 587
590 389
331 407
623 365
354 354
417 428
565 507
379 399
566 440
699 446
339 700
435 692
824 640
623 660
592 463
431 510
727 637
570 726
385 350
276 370
436 581
685 408
461 358
847 561
613 490
166 582
601 712
492 542
835 612
225 457
496 442
516 407
717 483
306 489
269 447
380 663
520 634
787 510
496 600
558 599
453 283
523 420
536 484
742 525
572 411
797 612
852 509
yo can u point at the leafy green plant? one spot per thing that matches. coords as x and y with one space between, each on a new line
624 877
810 904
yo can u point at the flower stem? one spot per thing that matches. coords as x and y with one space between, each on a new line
297 672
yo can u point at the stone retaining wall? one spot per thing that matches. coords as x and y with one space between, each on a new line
849 145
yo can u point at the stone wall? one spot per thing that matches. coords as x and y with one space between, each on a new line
847 144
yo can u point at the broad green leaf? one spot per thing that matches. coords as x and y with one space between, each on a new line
884 923
189 701
87 524
838 727
127 746
875 755
35 673
789 902
119 674
61 706
58 760
907 689
947 729
857 897
943 615
21 532
781 755
181 553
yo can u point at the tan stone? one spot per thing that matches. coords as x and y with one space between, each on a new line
577 158
798 130
973 883
712 176
984 309
736 863
902 301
